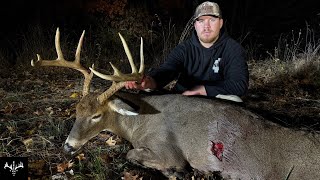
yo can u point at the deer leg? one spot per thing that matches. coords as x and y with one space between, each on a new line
166 159
143 156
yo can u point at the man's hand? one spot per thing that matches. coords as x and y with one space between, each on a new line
146 83
197 90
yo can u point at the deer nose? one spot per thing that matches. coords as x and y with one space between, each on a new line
68 149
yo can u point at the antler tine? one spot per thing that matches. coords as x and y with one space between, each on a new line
141 69
77 55
61 62
126 49
57 44
86 83
119 77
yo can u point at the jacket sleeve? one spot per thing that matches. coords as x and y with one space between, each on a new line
235 73
170 69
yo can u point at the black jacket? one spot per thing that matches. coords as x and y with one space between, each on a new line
222 68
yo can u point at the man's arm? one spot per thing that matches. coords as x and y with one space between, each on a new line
197 90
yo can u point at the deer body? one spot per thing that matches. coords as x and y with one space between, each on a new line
172 131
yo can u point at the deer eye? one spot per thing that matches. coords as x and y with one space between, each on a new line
96 117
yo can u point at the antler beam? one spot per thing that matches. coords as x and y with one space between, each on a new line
60 61
119 78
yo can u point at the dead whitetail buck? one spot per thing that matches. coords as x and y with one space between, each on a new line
174 131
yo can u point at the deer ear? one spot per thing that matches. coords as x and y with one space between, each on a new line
122 108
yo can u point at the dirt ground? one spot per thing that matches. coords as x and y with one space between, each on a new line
37 110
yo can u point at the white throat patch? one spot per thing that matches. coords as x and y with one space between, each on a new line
122 108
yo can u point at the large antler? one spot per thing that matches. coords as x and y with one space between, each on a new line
60 61
119 78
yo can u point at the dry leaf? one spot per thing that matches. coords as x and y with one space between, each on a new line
68 111
37 113
27 142
70 85
111 142
129 176
8 109
11 129
81 157
103 137
19 110
37 167
31 131
50 110
65 165
74 95
13 108
106 158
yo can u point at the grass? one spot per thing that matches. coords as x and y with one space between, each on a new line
37 112
290 79
166 36
290 61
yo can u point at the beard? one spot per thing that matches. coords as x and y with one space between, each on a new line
208 37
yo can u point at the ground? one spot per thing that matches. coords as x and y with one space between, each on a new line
37 110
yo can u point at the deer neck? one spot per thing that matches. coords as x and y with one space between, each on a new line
124 126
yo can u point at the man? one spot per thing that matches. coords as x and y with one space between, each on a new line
210 63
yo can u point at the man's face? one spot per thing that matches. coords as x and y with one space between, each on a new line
208 28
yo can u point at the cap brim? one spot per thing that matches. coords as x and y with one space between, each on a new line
214 15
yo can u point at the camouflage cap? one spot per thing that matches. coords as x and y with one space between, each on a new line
207 8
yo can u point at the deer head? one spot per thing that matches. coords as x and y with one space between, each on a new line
93 108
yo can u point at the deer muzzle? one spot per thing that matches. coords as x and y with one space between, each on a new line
72 145
69 149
